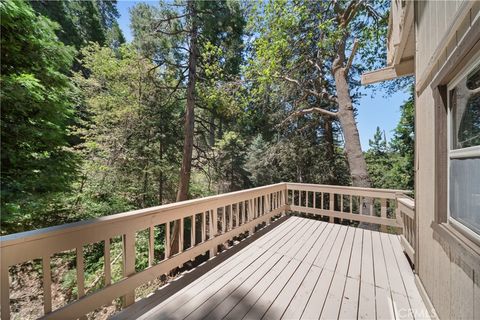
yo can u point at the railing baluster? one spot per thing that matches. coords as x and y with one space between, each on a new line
237 215
151 245
213 230
224 219
4 289
204 226
80 273
181 237
193 232
106 262
167 240
371 212
129 264
331 199
314 199
47 285
245 212
322 195
230 217
351 202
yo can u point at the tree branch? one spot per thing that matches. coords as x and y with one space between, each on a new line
352 56
322 95
299 113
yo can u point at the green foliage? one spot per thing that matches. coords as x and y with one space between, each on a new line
230 158
392 166
130 141
37 108
83 21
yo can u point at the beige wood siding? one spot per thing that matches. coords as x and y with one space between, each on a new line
451 280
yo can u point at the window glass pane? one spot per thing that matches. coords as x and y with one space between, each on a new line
465 104
465 192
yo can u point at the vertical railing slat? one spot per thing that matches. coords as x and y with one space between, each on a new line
331 199
224 219
167 240
106 262
204 226
237 214
5 289
129 264
47 285
80 273
181 236
193 232
151 245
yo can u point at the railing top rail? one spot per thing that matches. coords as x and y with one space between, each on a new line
407 201
20 237
336 187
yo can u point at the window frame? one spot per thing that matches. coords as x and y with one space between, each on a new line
462 153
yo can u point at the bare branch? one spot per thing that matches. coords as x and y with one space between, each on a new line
352 55
299 113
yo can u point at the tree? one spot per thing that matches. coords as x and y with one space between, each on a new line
391 166
230 159
37 107
130 140
311 47
169 35
82 22
378 158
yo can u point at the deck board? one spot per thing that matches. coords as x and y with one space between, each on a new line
302 268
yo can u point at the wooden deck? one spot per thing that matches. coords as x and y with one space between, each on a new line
301 269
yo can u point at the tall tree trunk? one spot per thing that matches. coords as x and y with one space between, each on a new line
186 169
355 158
353 149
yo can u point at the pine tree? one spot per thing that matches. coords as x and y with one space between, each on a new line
37 107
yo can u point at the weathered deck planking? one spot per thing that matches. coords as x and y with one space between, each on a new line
305 269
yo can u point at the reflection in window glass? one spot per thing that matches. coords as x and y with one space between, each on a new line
465 104
465 192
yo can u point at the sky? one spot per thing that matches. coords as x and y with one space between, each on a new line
374 108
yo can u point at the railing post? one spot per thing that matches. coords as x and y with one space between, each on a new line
129 264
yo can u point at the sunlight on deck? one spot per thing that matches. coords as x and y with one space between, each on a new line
302 268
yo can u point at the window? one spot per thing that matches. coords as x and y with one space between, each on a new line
464 151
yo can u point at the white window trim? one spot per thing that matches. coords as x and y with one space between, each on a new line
459 153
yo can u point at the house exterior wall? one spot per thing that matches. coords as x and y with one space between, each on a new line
448 267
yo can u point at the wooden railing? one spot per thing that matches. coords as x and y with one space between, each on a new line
213 221
220 218
366 205
406 210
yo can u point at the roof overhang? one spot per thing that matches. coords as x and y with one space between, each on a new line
400 45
